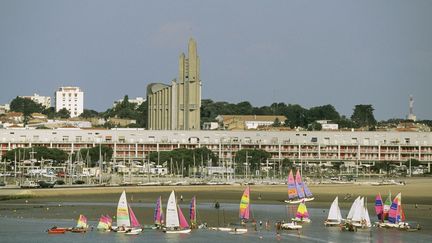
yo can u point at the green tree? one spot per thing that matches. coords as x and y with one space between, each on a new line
296 116
314 126
26 106
50 112
39 153
276 123
363 116
89 114
63 113
93 152
255 158
325 112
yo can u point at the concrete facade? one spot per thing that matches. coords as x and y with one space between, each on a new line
177 106
318 146
45 101
71 98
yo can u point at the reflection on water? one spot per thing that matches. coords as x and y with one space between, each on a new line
34 230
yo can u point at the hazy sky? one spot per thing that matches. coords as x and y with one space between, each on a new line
307 52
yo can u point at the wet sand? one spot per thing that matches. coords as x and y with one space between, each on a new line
64 203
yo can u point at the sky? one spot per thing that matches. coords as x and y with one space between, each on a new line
312 53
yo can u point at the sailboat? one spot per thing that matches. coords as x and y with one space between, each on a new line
379 207
244 211
175 221
302 215
126 220
298 191
158 214
396 215
360 218
192 213
105 223
291 225
386 207
334 217
81 226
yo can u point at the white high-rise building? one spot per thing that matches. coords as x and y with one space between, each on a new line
71 98
45 101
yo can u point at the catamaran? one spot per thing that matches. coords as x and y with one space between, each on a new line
158 214
126 220
193 215
334 217
396 215
290 225
175 221
105 223
81 226
302 215
298 191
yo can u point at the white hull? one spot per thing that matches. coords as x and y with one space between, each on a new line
291 226
185 231
332 224
225 229
133 231
236 231
295 201
301 220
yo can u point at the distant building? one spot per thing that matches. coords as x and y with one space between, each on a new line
138 101
210 126
45 101
327 125
177 106
246 122
71 98
4 109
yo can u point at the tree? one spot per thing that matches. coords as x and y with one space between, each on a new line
363 116
106 153
50 112
314 126
63 113
325 112
89 114
296 116
276 123
26 106
255 158
39 153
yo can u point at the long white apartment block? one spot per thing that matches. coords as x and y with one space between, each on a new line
71 98
315 146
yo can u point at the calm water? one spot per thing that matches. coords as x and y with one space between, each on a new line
34 230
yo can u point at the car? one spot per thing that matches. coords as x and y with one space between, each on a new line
29 184
44 184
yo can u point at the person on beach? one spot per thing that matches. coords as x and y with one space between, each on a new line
181 198
217 206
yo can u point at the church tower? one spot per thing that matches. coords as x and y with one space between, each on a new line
177 106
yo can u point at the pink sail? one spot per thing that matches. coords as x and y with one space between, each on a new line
158 215
379 207
395 210
292 191
192 211
133 219
299 185
183 222
244 205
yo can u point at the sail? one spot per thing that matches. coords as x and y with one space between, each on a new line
192 211
366 217
109 220
358 214
172 219
182 220
133 219
244 204
307 192
379 209
394 213
104 223
82 222
386 207
352 209
122 211
292 191
334 212
299 185
302 212
158 214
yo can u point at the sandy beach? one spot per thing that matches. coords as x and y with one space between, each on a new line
67 203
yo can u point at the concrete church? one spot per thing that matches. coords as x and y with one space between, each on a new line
177 106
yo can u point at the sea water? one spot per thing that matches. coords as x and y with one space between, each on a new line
34 230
